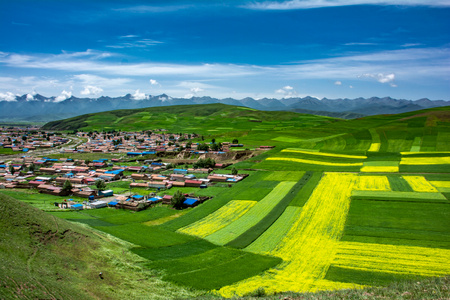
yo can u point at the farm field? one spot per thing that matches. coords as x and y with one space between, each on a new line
335 205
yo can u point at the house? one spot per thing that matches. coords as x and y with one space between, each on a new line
98 204
157 184
167 199
106 193
190 202
180 171
192 183
76 206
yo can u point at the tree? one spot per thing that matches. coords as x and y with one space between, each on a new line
11 169
234 171
32 167
213 141
203 147
178 200
216 147
100 184
67 186
235 141
205 163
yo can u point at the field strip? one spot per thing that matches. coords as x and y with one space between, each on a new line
393 259
376 142
275 233
222 217
416 144
441 184
420 184
310 245
253 216
426 152
315 162
379 169
324 154
425 160
373 183
405 196
259 228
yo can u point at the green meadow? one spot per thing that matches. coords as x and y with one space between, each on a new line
392 210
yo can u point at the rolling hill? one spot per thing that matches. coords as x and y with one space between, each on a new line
337 204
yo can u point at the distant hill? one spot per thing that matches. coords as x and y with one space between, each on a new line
184 118
40 108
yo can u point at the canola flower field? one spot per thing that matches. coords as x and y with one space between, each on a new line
346 207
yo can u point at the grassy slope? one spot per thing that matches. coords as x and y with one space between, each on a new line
426 130
44 257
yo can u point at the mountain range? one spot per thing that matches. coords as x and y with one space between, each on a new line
39 108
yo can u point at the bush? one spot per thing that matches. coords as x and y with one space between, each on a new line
100 184
178 199
67 186
205 163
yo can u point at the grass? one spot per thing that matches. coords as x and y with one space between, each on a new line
146 236
290 227
214 268
38 200
398 223
45 257
255 231
175 251
253 216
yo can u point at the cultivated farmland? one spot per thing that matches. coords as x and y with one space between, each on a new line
335 205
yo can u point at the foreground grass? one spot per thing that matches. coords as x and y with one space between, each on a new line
43 257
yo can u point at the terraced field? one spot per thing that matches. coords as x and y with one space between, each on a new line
337 204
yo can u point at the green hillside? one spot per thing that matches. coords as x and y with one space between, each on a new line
44 257
337 204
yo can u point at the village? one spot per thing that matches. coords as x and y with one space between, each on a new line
147 162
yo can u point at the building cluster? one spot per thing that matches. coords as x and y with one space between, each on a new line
26 139
140 143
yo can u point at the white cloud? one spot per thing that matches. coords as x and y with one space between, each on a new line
64 95
382 78
91 90
152 9
129 36
154 82
196 90
64 62
136 44
338 82
8 96
139 96
287 91
308 4
188 96
30 97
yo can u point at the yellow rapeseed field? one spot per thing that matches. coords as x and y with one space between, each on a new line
374 147
373 183
420 184
393 259
425 160
310 246
222 217
315 162
379 169
441 184
324 154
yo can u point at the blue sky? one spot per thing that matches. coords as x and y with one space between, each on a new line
320 48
